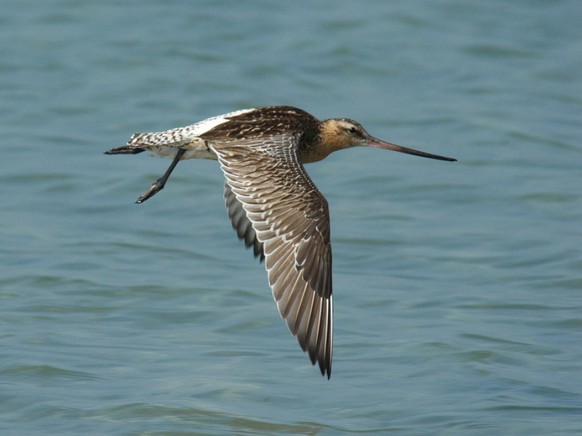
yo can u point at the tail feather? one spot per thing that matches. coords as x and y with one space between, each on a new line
159 143
126 149
135 145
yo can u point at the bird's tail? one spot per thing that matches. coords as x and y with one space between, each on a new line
162 144
138 143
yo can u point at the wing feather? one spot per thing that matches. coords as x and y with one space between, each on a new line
244 228
276 208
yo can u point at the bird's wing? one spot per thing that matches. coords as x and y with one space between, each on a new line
240 222
290 218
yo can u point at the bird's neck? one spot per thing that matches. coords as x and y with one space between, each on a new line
323 143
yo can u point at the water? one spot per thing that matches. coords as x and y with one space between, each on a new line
458 287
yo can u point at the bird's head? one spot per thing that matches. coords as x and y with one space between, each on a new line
340 133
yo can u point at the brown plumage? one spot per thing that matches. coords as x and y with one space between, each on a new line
272 203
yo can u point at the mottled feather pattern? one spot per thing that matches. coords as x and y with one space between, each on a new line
266 122
272 203
291 220
244 228
166 143
174 137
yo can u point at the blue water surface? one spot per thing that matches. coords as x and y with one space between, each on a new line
457 286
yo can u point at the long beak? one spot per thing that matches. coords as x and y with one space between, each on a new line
375 142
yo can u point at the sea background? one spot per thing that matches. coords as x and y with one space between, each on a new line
457 286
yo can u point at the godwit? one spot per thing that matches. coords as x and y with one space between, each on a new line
272 203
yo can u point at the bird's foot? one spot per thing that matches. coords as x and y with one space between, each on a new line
156 187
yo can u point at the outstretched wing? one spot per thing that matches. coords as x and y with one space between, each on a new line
240 222
290 219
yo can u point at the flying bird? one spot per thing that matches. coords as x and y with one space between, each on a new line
273 204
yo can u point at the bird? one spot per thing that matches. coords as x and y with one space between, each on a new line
272 203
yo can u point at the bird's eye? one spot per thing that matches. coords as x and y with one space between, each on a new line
353 130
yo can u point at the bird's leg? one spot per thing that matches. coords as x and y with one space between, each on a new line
159 184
